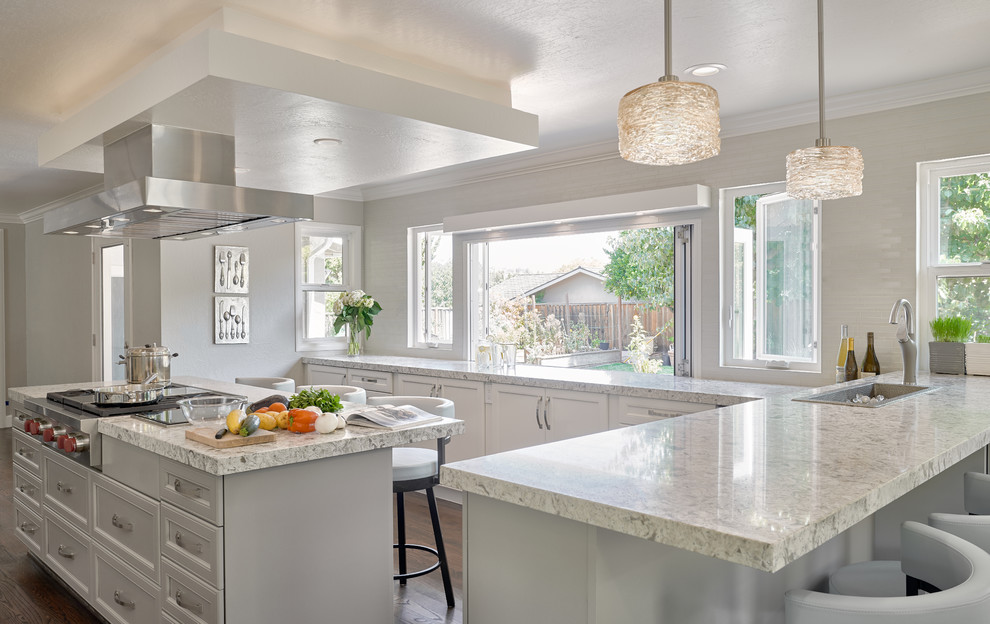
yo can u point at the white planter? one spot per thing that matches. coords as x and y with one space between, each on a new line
978 358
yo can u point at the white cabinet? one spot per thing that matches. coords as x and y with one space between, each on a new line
524 416
626 411
320 375
469 406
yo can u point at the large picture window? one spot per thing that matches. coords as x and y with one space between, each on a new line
771 281
955 243
327 265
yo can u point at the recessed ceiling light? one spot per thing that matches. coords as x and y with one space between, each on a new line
120 219
95 227
705 69
327 141
70 232
557 222
206 233
241 170
639 214
152 210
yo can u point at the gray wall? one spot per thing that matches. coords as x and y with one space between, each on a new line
868 242
15 305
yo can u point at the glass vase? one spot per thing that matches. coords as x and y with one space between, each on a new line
353 339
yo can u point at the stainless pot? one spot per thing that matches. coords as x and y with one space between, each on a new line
128 394
143 362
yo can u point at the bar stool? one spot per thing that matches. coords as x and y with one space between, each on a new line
416 469
960 569
282 384
976 493
351 394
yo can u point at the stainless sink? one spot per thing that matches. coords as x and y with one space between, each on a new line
890 391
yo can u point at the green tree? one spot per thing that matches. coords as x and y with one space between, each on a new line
964 236
641 266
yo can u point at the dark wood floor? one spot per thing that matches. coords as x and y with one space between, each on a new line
29 596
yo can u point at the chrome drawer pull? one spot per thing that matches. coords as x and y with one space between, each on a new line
539 402
26 489
653 412
178 542
23 452
546 409
371 380
178 488
65 553
126 526
197 608
28 528
63 488
127 604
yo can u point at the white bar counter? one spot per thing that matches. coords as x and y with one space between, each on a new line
735 504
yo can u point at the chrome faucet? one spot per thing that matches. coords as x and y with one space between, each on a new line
905 336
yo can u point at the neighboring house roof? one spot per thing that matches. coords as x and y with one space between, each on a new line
516 285
561 277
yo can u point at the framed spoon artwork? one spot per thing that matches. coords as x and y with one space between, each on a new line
230 269
232 323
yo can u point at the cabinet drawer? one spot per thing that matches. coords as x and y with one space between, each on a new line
18 420
640 410
320 375
27 452
120 594
127 524
193 544
68 553
188 599
66 485
192 490
28 525
27 488
370 380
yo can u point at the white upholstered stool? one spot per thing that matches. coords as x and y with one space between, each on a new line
282 384
351 394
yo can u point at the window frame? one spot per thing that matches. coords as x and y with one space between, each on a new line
727 236
351 279
414 313
929 268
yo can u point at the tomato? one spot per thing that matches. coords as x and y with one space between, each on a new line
302 421
262 410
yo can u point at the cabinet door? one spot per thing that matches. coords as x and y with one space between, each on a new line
415 385
320 375
469 406
517 417
570 414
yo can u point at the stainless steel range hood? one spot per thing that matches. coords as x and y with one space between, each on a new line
172 183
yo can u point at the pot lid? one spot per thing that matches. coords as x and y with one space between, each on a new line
152 349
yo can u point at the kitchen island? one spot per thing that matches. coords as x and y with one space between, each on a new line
711 516
296 530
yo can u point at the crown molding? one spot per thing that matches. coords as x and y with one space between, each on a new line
348 194
39 211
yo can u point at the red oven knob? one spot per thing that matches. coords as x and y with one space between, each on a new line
35 427
60 441
52 433
69 444
27 425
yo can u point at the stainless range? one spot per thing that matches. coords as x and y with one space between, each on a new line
67 421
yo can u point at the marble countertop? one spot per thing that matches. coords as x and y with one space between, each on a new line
760 483
686 389
288 448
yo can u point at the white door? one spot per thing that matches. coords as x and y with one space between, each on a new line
570 414
517 417
110 307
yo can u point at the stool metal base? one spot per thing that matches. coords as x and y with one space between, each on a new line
439 551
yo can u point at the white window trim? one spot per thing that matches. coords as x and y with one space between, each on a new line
415 340
351 235
928 268
726 242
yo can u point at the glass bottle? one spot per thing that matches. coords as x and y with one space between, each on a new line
840 362
871 366
852 370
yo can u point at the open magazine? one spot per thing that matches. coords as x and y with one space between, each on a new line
387 416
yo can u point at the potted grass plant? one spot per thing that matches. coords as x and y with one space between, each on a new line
978 356
947 351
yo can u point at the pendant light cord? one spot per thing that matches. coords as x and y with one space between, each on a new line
668 74
822 141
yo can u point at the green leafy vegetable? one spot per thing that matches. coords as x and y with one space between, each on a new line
323 399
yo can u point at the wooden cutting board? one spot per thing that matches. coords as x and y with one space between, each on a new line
208 437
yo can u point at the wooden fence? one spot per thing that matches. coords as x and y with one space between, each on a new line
612 322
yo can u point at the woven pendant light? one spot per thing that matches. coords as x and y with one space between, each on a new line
825 171
669 122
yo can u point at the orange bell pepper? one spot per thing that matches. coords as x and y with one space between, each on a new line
302 420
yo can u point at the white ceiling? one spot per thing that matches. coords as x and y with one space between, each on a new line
567 61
